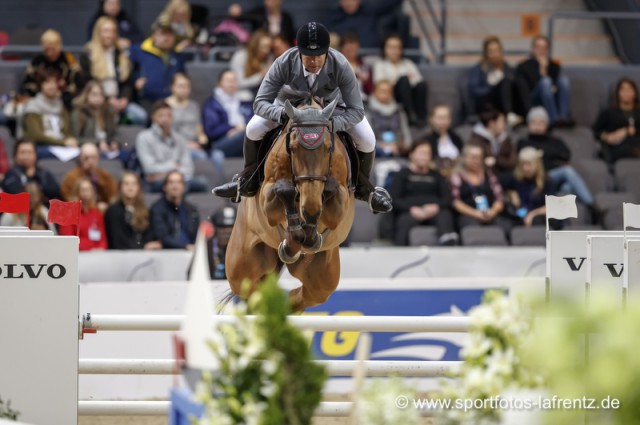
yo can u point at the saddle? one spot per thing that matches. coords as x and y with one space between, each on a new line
353 164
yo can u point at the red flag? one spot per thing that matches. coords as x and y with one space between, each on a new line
64 213
15 204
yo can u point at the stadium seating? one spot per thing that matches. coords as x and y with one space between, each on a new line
483 236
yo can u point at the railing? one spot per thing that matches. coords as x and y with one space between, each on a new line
440 24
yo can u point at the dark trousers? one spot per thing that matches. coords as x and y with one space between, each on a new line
509 95
405 222
412 98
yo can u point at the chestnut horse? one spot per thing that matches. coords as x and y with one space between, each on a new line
301 214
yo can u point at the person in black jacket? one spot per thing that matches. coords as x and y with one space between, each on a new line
273 19
556 156
542 78
129 32
446 145
421 196
25 170
618 127
173 220
127 220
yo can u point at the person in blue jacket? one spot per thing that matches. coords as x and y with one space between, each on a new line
224 116
155 62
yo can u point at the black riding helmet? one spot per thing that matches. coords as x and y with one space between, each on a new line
313 39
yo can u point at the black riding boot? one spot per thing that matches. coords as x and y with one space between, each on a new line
247 183
378 198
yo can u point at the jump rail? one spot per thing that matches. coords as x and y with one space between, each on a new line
125 322
334 367
326 409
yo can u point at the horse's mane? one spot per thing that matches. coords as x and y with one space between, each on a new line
296 97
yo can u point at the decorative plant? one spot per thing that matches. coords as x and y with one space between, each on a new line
6 412
499 334
266 374
387 401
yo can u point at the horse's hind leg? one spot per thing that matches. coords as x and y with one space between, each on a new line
248 262
319 277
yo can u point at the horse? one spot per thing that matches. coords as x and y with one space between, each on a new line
302 212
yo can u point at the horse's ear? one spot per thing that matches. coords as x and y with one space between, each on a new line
290 110
328 110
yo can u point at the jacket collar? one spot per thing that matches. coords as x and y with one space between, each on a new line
299 81
147 46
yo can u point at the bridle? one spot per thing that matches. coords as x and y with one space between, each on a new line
308 144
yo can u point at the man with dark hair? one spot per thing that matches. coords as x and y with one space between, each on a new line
156 61
223 221
324 72
492 136
161 150
25 169
546 85
173 220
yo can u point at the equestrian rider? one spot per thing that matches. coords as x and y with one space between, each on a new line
324 72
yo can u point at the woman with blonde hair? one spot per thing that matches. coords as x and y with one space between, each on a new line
91 226
251 64
106 63
526 190
127 219
178 13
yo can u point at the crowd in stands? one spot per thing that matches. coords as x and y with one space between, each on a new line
76 106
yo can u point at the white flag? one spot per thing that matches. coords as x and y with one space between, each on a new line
631 215
561 207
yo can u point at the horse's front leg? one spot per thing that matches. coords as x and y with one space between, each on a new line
336 198
285 192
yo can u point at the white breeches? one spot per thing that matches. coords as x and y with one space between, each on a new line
362 133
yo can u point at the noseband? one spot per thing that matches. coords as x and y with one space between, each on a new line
310 137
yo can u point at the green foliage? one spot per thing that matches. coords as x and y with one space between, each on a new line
6 412
266 374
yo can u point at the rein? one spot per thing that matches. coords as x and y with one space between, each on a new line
307 143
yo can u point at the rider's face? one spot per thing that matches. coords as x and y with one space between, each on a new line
314 64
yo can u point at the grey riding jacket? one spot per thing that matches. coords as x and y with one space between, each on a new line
336 80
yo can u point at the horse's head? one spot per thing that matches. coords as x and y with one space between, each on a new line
310 144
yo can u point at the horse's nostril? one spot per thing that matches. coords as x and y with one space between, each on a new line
308 218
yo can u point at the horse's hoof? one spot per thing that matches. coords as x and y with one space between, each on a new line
284 257
318 245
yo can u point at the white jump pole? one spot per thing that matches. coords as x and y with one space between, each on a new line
334 367
125 322
326 409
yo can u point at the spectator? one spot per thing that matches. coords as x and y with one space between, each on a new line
4 161
477 194
421 196
93 120
91 226
37 209
128 30
174 220
525 191
52 58
491 135
156 62
271 18
350 48
178 14
556 156
46 121
127 220
106 63
491 82
162 150
388 121
225 116
223 221
352 16
545 85
446 145
251 64
25 170
280 45
409 87
618 127
89 168
187 120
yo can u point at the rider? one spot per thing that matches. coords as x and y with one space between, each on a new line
326 73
